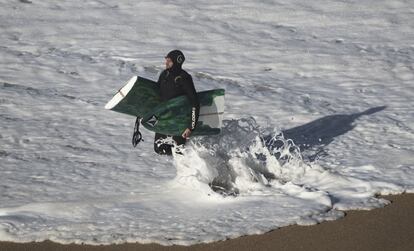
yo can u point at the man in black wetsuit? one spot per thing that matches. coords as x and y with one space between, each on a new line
174 82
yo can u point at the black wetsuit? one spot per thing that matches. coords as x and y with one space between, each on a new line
175 82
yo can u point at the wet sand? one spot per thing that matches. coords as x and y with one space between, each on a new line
390 228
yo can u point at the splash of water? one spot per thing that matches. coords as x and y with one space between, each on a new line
243 159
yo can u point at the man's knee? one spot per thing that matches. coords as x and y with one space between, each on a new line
179 140
162 149
159 146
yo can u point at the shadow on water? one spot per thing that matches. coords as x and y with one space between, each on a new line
237 141
314 136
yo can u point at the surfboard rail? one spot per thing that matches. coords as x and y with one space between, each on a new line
140 97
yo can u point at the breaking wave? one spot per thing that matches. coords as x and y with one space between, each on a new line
243 159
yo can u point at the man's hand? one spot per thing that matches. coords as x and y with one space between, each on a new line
186 134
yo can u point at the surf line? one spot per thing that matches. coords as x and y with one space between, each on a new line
210 114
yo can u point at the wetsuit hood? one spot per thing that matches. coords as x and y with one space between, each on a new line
177 58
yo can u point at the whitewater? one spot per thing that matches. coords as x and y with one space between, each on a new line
319 117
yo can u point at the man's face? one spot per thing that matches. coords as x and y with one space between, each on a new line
168 63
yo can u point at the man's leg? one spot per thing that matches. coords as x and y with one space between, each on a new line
179 140
161 148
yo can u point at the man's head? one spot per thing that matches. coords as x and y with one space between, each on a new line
174 58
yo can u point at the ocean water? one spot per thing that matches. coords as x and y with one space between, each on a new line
318 118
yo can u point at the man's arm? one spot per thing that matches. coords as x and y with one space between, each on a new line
188 87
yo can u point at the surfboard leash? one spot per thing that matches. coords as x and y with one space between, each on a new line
137 136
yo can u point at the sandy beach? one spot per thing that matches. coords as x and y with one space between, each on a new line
389 228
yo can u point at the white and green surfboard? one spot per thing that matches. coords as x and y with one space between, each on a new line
140 98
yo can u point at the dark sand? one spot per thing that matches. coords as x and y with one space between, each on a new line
390 228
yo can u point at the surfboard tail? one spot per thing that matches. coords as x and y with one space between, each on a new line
137 97
121 94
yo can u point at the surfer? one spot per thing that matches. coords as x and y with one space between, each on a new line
174 82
